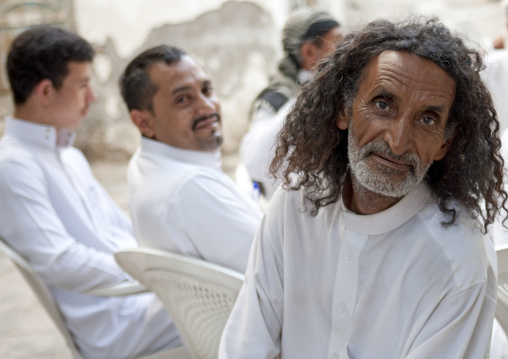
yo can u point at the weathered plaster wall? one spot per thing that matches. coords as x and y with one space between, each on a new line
238 43
235 45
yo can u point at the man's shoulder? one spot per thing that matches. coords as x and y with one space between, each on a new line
12 153
276 94
272 99
166 178
292 206
463 246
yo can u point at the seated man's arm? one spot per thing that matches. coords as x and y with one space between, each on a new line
216 217
33 229
459 328
254 327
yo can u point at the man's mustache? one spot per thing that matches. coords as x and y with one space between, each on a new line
198 120
382 148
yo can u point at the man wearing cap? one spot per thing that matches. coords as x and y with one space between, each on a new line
308 36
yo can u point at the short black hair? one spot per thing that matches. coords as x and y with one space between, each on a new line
135 85
43 52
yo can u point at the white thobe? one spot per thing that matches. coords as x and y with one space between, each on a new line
181 201
257 148
396 284
58 217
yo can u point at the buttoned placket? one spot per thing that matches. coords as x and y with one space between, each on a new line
345 290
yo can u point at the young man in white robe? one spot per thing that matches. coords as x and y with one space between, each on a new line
55 214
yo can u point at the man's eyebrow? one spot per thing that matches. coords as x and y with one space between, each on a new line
381 91
437 109
180 89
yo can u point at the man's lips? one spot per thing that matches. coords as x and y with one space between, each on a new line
391 162
206 123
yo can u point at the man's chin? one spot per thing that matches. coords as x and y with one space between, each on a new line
212 143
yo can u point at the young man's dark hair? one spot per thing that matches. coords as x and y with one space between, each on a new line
135 85
43 52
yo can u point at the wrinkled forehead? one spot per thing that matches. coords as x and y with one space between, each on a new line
407 71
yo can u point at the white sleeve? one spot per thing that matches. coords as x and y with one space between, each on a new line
217 218
459 328
257 148
254 327
33 228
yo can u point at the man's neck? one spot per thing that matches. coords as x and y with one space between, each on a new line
32 114
360 200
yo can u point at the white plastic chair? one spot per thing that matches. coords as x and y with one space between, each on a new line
44 295
198 295
502 287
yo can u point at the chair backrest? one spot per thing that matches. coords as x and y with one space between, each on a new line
198 295
502 290
43 294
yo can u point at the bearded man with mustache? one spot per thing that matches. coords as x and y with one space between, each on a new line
376 245
179 198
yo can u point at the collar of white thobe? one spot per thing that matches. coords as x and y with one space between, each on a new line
201 158
392 217
38 134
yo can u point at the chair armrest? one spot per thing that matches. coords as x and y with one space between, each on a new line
118 289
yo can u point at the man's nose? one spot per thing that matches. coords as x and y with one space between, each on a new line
399 135
207 105
90 95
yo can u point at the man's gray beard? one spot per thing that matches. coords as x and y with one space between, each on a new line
380 181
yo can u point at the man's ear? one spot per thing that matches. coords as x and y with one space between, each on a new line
310 55
444 149
43 91
343 120
142 120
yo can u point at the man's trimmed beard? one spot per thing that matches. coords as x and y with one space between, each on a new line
382 179
212 143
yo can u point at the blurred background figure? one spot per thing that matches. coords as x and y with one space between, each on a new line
500 42
308 37
496 73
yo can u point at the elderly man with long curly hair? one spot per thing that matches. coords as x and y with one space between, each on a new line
376 245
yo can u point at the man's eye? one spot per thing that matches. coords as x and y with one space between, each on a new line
208 90
382 105
428 120
181 99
